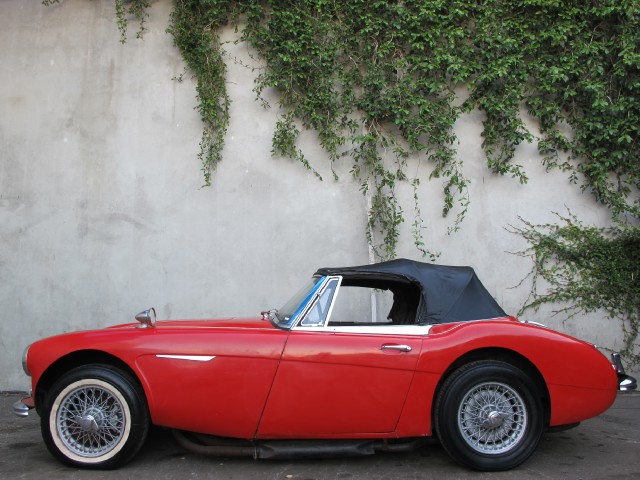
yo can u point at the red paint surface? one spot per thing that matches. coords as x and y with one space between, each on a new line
271 383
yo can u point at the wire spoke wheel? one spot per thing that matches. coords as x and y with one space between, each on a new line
489 415
91 421
492 418
95 416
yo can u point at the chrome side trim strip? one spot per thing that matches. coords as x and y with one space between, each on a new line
194 358
372 329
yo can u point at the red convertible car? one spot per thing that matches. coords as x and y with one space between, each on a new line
362 359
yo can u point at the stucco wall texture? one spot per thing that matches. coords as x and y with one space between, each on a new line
102 213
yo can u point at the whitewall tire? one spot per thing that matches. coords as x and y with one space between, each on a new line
94 417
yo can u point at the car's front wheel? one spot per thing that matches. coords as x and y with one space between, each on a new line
489 415
95 416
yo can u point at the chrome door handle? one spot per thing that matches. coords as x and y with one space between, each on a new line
402 348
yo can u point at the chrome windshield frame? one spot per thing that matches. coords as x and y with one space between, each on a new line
313 298
279 319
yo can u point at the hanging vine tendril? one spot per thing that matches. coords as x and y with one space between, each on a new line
587 269
378 77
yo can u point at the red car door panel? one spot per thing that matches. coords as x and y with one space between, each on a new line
333 382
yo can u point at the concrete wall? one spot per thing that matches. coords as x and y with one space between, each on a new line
102 214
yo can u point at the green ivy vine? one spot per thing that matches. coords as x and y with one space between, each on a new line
374 77
585 269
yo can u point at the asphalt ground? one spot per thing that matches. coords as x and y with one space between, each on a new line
605 447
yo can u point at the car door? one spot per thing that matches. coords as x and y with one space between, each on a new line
340 380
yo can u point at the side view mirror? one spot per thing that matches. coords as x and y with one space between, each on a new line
147 318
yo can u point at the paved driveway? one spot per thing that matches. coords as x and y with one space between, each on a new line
606 447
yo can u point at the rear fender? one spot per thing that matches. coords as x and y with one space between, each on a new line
580 381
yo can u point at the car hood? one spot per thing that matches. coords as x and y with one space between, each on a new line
233 322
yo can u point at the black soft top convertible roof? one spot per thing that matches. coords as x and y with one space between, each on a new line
450 294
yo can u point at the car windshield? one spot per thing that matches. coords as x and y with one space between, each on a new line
284 316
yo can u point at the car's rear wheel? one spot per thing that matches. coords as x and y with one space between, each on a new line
489 415
95 416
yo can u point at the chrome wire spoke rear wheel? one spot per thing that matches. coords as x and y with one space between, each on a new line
489 415
91 420
492 418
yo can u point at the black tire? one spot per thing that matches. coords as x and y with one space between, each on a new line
94 416
489 416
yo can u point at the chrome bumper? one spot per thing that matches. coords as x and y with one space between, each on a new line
21 407
626 383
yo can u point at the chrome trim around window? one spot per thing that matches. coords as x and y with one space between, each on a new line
297 324
382 329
